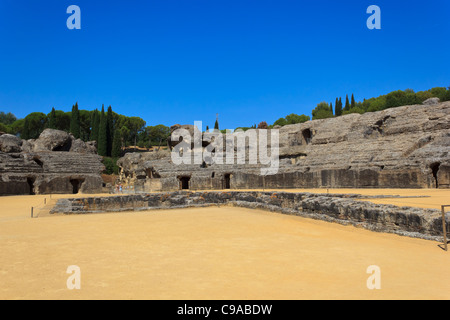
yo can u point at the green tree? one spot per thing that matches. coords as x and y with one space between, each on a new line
102 134
354 110
446 96
295 118
109 130
52 119
95 125
322 111
17 127
117 145
439 92
136 126
338 107
400 98
347 104
85 124
423 95
353 103
4 128
63 120
75 121
125 133
7 118
157 134
216 125
280 122
33 126
25 133
110 165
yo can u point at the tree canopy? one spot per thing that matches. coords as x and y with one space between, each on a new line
322 111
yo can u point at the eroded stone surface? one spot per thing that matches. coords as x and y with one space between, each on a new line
404 147
53 163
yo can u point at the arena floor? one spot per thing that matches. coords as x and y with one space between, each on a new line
213 253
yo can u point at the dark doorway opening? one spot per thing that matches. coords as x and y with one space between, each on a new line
434 169
76 185
184 183
227 181
30 182
307 135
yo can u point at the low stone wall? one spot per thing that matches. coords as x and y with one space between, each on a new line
340 208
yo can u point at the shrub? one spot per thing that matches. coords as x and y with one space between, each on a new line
111 166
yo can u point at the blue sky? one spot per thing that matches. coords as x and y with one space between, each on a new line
250 61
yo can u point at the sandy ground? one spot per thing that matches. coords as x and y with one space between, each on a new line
209 253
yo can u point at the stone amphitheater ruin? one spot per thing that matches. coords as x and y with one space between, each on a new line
404 147
56 162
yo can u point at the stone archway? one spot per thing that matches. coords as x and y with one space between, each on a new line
227 181
435 169
30 182
184 183
76 185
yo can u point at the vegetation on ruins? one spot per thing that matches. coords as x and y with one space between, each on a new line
391 100
291 119
114 132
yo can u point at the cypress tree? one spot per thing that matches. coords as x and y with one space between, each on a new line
95 122
116 146
347 104
75 122
52 119
338 108
331 108
102 131
353 104
25 134
216 125
109 131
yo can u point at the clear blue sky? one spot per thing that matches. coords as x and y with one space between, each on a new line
179 61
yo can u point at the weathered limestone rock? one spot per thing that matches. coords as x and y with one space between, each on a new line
432 101
79 146
10 143
404 147
53 163
53 140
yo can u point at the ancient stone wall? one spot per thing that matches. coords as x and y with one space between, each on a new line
404 147
56 162
341 208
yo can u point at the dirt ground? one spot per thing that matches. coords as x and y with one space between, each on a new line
212 253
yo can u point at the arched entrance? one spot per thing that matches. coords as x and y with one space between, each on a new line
184 183
227 181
